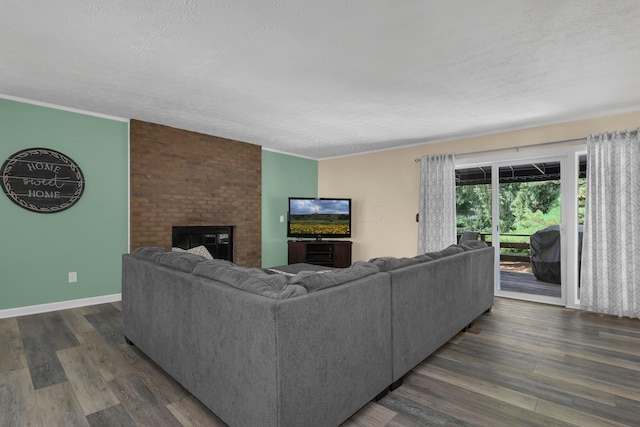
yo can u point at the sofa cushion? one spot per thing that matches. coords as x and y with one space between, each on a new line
424 258
207 267
451 250
252 280
182 261
276 271
391 263
473 245
148 252
291 291
314 281
432 255
210 268
293 269
198 250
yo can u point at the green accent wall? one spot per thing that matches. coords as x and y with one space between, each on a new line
282 176
39 250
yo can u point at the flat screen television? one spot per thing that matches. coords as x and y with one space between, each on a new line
320 218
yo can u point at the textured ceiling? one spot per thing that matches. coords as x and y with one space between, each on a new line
327 78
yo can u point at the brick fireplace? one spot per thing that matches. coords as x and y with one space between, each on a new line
183 178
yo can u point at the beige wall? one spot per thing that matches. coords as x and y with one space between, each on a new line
384 185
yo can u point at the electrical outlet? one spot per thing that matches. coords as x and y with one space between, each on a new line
73 277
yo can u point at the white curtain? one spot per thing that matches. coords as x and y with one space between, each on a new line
610 275
437 214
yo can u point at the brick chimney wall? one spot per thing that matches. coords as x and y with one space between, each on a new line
180 177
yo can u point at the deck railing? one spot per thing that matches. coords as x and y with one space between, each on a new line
519 246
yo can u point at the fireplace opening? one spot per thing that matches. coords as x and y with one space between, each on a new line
217 239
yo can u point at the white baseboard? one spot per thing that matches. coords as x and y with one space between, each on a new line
55 306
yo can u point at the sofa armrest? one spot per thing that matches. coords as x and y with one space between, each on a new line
215 340
433 301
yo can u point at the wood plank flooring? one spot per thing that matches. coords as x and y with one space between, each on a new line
523 364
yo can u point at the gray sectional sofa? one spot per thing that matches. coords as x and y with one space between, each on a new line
265 349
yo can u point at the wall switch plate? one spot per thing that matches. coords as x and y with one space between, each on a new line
281 218
73 277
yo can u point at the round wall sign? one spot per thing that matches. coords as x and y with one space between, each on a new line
42 180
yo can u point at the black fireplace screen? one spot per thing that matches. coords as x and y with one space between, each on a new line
217 239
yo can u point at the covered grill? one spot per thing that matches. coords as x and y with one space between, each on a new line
545 253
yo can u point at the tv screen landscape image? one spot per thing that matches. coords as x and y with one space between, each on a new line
319 218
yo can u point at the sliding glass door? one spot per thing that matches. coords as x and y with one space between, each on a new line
529 209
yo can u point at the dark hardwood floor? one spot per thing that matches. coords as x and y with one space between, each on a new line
521 364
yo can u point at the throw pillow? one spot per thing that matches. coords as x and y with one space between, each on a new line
198 250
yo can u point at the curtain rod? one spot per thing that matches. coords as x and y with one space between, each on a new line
493 150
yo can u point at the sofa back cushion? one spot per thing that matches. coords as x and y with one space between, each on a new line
391 263
252 280
314 281
424 258
451 250
181 261
473 245
208 267
148 252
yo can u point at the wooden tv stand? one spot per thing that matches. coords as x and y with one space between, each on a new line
330 253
